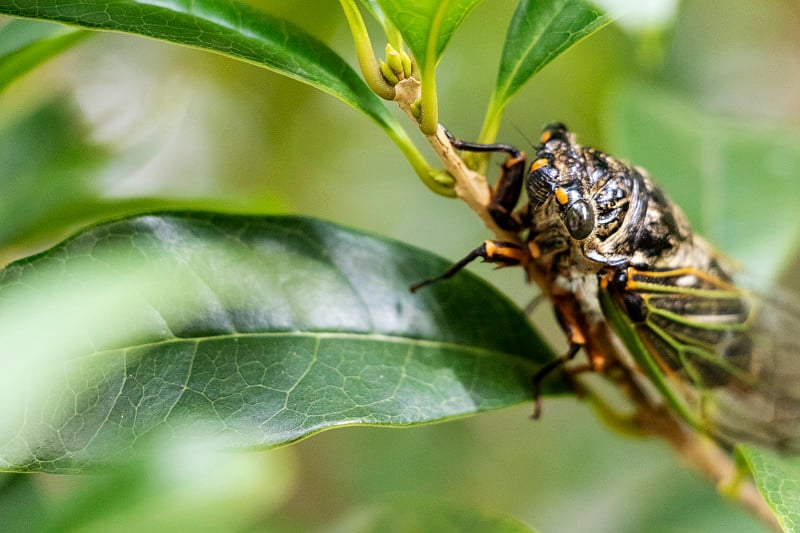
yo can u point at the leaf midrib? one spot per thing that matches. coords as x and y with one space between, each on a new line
396 339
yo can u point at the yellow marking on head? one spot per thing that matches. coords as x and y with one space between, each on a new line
539 163
561 196
545 136
536 252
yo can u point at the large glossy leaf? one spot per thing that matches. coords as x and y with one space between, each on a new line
230 28
736 181
258 330
778 480
538 33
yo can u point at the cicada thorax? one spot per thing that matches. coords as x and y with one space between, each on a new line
600 209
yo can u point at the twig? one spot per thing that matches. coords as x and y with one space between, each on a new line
710 460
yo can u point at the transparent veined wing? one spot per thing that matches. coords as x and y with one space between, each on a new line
726 358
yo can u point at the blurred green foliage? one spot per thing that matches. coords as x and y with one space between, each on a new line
144 124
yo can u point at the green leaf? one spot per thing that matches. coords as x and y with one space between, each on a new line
735 180
427 27
49 187
184 485
538 33
414 514
778 480
374 9
21 504
259 330
230 28
39 179
24 44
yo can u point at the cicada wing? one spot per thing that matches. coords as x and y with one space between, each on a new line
768 411
731 356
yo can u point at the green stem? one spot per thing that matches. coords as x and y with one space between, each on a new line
488 134
429 119
491 122
366 56
429 104
419 164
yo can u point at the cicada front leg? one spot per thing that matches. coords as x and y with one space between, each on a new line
498 252
504 198
508 189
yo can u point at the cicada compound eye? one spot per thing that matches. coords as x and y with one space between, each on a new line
579 219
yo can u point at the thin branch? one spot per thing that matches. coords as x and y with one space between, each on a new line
710 460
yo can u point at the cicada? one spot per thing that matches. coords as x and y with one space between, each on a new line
614 253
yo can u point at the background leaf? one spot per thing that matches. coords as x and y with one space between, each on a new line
231 28
21 506
24 44
736 181
778 480
182 482
374 9
427 26
51 172
538 33
409 514
45 150
261 330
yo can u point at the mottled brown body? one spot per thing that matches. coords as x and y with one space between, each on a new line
614 254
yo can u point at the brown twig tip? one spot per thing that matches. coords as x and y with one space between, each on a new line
710 460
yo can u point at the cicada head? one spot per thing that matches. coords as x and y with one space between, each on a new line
558 184
597 207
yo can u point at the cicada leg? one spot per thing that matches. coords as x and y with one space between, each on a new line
498 252
540 375
506 193
574 324
504 197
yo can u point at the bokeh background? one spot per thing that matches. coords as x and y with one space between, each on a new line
151 124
